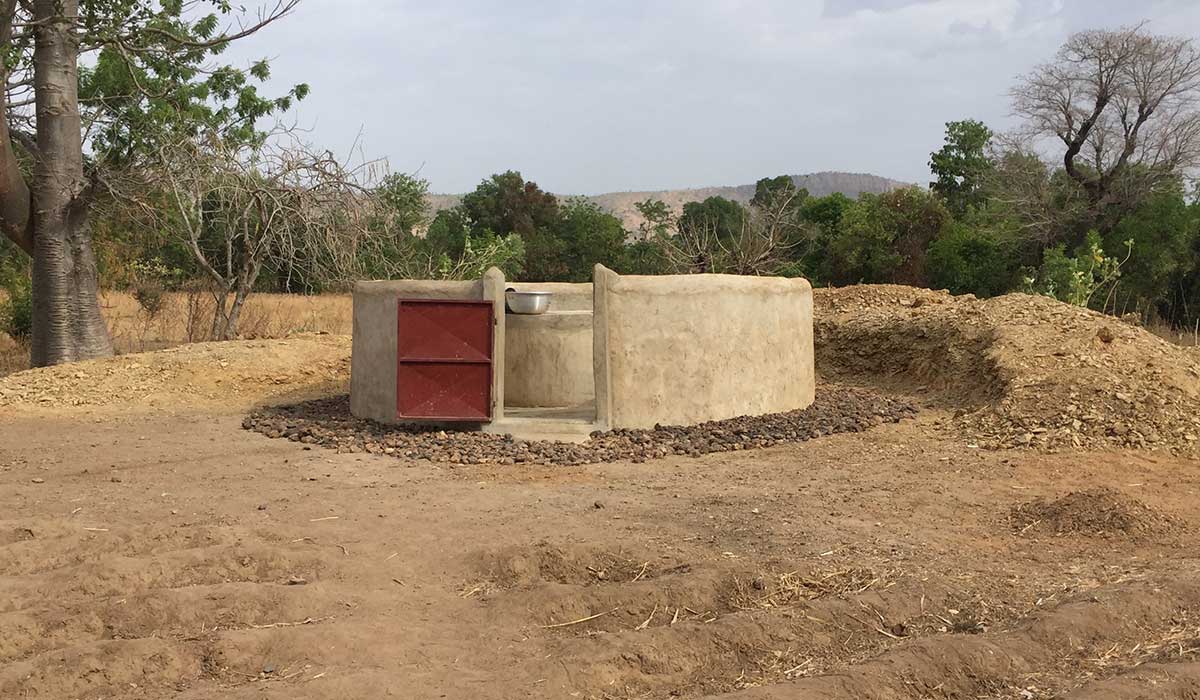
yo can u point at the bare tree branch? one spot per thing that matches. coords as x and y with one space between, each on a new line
1124 104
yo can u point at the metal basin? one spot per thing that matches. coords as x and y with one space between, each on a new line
531 303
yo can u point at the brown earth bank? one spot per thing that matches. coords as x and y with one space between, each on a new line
161 551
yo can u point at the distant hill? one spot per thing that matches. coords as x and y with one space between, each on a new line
621 204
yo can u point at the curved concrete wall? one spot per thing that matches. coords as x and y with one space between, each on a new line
683 349
548 358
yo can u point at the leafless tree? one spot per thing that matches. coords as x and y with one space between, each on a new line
760 247
239 206
1124 106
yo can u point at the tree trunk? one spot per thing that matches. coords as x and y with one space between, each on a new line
67 324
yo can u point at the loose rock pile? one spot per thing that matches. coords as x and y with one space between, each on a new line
328 422
1019 370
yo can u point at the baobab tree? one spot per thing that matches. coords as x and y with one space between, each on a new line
1124 108
115 76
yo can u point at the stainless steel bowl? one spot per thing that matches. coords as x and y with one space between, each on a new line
527 302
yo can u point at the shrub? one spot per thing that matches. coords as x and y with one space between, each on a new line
150 296
1077 280
151 278
966 259
16 312
643 258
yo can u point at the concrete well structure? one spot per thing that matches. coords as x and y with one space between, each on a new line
622 352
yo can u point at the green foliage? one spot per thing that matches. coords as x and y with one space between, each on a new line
724 217
151 280
826 211
168 87
448 231
506 203
975 260
643 258
588 235
883 238
961 165
1077 279
479 254
1164 232
16 309
769 189
403 200
657 218
561 243
810 256
863 249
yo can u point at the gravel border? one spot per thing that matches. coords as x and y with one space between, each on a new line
328 423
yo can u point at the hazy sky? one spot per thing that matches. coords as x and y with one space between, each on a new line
589 96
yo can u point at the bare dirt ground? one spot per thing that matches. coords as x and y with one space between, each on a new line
164 552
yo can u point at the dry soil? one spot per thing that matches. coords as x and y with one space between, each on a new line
164 552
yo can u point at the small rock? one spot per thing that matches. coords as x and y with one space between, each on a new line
38 480
296 581
262 506
598 505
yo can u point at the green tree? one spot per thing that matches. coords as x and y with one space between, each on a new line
770 189
962 165
505 203
884 238
643 258
657 219
969 258
1078 279
724 217
403 202
448 232
826 211
138 72
590 235
1165 231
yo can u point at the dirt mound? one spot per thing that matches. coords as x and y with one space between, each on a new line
238 373
328 422
1099 511
1020 369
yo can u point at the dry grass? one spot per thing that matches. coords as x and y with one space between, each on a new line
777 590
1178 336
185 318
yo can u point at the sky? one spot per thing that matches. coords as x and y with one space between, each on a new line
592 96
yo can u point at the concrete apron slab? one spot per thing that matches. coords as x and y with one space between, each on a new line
572 424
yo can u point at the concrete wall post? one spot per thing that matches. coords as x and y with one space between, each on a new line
493 290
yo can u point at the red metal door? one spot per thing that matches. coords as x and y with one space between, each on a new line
444 360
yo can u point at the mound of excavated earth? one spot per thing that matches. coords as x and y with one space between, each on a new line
1099 512
328 422
237 373
1020 370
